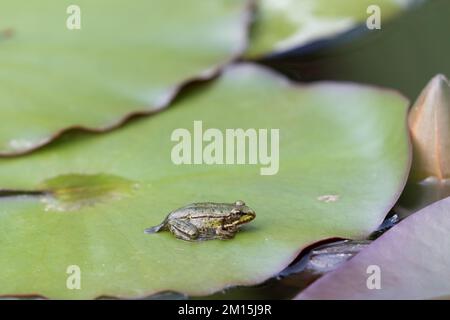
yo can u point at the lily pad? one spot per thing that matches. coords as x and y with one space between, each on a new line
282 25
412 260
126 59
343 159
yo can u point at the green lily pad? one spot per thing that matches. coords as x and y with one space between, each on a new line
343 159
126 58
411 259
282 25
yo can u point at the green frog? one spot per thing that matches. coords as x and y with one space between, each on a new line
206 221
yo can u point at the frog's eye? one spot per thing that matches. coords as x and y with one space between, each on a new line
239 203
235 211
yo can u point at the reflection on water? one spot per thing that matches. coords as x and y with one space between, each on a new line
418 195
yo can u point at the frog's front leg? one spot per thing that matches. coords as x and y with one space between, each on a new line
183 229
226 233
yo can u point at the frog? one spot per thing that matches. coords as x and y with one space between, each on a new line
206 221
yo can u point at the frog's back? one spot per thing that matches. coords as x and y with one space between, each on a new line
203 210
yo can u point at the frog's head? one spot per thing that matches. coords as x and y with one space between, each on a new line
241 214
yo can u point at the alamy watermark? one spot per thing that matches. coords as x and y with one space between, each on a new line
73 21
374 279
73 281
373 22
234 146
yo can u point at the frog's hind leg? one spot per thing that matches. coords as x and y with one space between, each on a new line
183 230
155 229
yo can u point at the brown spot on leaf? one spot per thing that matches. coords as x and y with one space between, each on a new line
71 192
